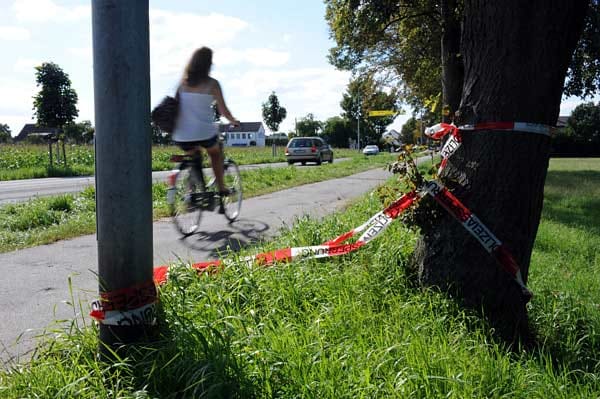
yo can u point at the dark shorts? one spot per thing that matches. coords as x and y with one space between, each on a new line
190 145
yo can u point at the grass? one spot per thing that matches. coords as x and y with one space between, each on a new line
42 221
353 326
31 161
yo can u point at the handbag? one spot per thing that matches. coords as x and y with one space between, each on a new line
164 115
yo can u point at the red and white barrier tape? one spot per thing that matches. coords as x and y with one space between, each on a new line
478 230
439 131
127 307
335 247
373 228
135 306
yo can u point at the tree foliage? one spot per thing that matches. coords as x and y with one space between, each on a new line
56 103
309 126
159 136
409 131
5 136
82 132
272 112
583 78
365 94
584 123
337 131
400 41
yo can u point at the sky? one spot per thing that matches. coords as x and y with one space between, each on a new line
259 46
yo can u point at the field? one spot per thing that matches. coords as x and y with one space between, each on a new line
353 326
32 161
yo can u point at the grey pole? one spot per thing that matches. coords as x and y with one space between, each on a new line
123 163
358 122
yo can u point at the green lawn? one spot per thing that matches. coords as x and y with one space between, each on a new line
353 326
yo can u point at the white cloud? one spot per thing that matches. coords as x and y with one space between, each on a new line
48 11
251 56
570 103
300 91
84 52
16 96
16 103
175 35
27 65
14 33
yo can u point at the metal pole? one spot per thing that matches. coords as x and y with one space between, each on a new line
358 120
123 161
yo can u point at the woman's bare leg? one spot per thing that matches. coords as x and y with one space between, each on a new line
216 160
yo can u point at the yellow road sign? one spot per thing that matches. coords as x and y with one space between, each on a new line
382 113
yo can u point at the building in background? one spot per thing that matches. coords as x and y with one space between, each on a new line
246 135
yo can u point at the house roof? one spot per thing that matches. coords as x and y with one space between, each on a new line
243 127
32 128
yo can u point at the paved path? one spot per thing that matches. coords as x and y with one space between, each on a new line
34 288
21 190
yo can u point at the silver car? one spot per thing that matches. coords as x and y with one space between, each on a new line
308 149
371 150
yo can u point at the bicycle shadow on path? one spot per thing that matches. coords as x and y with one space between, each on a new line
238 235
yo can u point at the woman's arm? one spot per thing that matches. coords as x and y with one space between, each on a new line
221 106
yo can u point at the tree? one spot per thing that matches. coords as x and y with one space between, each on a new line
409 131
309 126
583 77
56 103
159 136
337 131
416 45
81 132
405 42
272 112
499 175
584 123
5 136
217 114
362 95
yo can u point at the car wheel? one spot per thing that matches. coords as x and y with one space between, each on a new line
319 160
303 163
290 162
331 159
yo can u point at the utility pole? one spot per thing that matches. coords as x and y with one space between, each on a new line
359 114
123 170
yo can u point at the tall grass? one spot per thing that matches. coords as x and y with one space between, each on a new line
349 327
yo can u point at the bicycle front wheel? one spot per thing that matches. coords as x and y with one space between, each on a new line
184 210
233 181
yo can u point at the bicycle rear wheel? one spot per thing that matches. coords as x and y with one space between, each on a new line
185 212
233 181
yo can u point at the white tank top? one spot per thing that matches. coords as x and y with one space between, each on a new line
195 120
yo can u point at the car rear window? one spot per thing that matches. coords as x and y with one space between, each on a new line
301 143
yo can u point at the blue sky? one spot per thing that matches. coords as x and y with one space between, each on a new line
260 46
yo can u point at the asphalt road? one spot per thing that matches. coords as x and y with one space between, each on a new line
35 288
22 190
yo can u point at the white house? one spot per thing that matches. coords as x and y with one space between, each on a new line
245 135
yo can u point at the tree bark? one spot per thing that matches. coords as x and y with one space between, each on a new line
515 55
452 64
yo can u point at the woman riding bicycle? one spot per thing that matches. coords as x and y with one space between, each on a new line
195 126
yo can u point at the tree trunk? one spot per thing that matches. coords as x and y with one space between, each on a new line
515 56
452 63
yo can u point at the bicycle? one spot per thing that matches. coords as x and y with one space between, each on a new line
189 194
